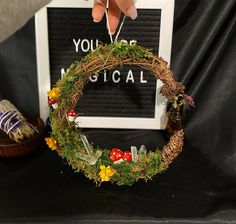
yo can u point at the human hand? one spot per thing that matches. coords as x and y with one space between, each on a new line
114 11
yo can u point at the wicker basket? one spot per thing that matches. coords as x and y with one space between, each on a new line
13 149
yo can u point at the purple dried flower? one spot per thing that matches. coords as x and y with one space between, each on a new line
189 101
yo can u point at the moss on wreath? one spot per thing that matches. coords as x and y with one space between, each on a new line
68 135
127 173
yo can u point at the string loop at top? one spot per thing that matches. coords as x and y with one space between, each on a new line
108 23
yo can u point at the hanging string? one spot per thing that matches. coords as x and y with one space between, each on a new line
121 25
107 18
108 23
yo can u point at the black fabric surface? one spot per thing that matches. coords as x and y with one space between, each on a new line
199 187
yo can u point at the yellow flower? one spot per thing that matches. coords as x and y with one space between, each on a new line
106 173
52 143
54 93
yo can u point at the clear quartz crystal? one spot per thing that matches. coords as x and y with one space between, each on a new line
90 155
142 149
134 153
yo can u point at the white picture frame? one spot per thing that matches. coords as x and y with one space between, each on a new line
43 67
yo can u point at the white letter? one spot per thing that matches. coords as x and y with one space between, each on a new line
113 76
105 76
76 44
96 45
83 47
141 78
130 77
93 78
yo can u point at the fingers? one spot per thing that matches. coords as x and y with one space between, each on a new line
114 11
113 16
98 10
128 8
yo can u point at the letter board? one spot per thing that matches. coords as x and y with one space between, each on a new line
127 96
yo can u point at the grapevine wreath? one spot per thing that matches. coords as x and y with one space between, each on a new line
122 168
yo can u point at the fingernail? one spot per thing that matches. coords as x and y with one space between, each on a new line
112 32
97 20
132 12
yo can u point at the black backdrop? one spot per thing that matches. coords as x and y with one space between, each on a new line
200 186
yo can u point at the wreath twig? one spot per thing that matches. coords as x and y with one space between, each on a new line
115 165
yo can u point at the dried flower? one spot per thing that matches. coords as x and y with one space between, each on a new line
52 143
54 93
106 173
189 102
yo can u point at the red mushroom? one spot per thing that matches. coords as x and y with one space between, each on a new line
127 156
116 155
71 114
53 103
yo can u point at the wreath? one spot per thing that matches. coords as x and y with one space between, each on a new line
116 166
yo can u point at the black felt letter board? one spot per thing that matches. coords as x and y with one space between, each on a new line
126 91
